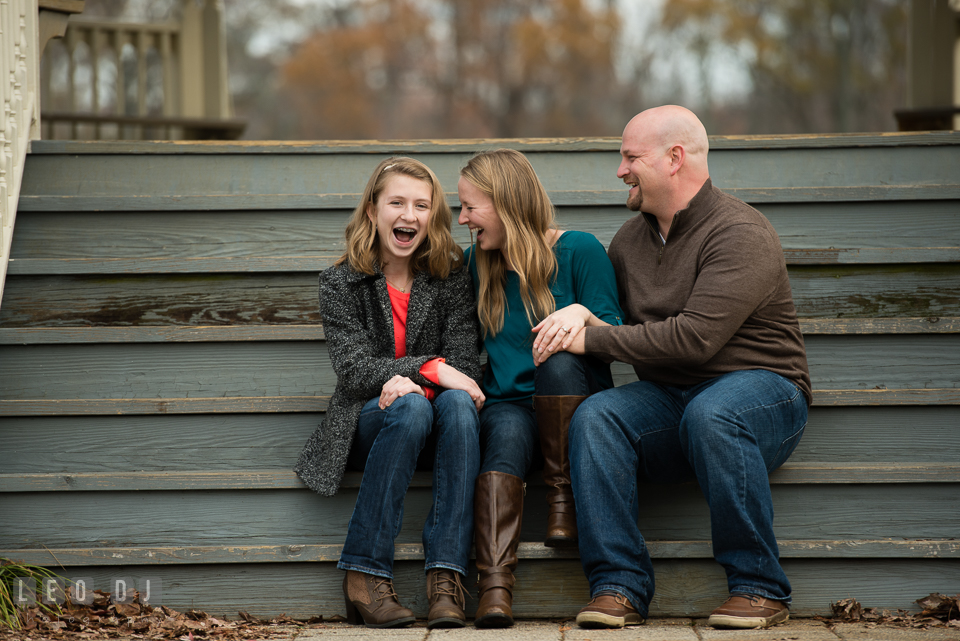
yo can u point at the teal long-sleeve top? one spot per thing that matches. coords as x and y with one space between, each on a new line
585 276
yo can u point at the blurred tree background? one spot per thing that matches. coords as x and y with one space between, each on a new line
393 69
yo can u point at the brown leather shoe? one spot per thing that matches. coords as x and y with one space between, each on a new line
749 611
497 508
608 610
446 596
371 600
553 423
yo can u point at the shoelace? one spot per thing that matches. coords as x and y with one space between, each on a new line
384 589
456 591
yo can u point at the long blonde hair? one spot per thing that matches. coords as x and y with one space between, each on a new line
521 202
438 254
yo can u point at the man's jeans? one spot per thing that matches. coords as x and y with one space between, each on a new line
727 433
386 446
509 437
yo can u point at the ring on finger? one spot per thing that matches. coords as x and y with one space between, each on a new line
564 329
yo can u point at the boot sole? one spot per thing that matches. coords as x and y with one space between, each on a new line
560 542
396 623
446 622
747 623
494 621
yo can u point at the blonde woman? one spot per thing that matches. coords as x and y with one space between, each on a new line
400 322
524 271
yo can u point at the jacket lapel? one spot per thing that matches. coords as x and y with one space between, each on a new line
421 302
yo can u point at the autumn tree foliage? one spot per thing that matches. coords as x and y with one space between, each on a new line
462 68
815 65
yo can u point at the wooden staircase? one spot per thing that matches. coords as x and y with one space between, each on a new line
162 361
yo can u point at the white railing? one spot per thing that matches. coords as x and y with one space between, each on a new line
19 94
130 80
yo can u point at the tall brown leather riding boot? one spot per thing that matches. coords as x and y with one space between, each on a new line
553 421
498 511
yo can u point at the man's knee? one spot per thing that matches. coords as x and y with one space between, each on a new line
590 423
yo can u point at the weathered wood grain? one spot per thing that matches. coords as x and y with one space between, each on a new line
279 479
299 517
164 406
174 234
286 404
764 170
559 197
270 333
819 225
206 555
237 333
247 264
272 440
788 141
223 299
118 443
843 291
159 371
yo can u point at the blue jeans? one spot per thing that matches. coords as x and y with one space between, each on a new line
509 437
727 433
386 446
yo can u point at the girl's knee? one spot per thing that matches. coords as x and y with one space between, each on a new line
413 410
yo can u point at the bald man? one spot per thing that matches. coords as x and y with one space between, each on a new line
711 330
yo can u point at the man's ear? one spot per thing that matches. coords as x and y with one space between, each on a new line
677 155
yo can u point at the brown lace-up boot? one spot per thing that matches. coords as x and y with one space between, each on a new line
553 421
371 600
447 598
498 510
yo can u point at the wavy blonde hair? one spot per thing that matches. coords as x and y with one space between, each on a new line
521 202
438 254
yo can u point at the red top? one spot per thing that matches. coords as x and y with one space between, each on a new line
398 305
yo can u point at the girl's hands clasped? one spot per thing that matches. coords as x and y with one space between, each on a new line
448 377
452 378
397 387
557 331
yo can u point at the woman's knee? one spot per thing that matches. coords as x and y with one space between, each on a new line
563 374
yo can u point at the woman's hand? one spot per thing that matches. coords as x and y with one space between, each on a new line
557 331
397 387
452 378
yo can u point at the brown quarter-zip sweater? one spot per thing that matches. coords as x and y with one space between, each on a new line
715 298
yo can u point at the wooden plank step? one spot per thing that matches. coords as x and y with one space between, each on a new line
560 198
243 264
178 518
831 291
788 474
265 332
309 553
472 145
279 404
547 588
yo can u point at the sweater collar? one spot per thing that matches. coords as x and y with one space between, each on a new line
696 209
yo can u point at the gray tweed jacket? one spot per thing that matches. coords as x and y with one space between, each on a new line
358 324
